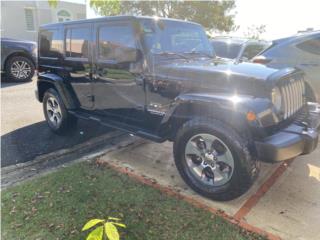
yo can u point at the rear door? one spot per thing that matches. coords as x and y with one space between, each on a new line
78 62
117 90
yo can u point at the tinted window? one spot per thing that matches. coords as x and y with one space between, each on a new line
226 50
252 50
50 43
310 46
115 41
77 40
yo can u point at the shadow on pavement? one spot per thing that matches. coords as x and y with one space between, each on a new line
9 83
26 143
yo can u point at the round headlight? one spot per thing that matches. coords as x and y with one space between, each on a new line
276 98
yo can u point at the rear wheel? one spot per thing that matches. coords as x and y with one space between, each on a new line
19 68
213 159
56 114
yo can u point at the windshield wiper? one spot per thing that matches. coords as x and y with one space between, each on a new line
167 53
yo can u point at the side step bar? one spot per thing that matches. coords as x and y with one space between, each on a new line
120 126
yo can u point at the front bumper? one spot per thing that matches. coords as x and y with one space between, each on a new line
296 139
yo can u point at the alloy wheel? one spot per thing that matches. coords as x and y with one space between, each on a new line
20 69
209 159
54 111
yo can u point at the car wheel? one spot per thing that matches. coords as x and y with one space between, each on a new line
20 68
56 114
214 160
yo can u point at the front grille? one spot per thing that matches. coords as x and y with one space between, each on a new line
292 92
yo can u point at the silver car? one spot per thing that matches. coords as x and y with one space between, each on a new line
301 51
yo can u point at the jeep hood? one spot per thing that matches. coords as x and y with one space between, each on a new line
222 75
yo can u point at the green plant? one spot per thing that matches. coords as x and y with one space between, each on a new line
106 230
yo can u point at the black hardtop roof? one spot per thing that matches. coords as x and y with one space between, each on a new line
114 18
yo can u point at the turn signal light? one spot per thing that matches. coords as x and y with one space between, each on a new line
251 116
261 60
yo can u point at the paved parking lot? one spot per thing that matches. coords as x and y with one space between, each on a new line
24 133
283 201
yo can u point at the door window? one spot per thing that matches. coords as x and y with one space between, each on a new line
114 41
77 42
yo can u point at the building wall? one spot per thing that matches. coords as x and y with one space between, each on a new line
13 17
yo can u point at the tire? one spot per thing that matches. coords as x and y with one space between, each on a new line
19 69
230 157
58 119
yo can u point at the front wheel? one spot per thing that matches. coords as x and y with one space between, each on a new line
56 114
213 159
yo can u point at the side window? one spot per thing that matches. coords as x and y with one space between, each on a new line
50 43
77 42
311 46
115 41
252 50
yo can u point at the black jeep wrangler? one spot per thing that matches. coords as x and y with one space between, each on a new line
159 79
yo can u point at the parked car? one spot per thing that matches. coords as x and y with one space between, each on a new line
159 79
18 59
302 51
238 49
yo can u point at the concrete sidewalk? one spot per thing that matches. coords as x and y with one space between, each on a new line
283 201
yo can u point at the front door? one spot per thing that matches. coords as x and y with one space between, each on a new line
78 62
117 90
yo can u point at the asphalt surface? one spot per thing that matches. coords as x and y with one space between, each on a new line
24 132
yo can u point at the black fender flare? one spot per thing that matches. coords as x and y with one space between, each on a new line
228 108
45 80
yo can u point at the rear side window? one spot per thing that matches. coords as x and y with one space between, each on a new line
114 40
77 42
311 46
50 43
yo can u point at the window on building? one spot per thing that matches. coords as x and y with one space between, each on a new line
77 40
115 41
29 19
63 16
50 44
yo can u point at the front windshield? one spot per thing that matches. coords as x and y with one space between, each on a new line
175 37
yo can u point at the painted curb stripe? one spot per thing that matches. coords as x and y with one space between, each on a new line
197 203
254 199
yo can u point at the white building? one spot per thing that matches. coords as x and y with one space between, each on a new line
21 19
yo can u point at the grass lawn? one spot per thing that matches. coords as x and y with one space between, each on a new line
57 205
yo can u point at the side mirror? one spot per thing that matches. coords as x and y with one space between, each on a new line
127 55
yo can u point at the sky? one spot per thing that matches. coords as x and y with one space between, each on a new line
281 17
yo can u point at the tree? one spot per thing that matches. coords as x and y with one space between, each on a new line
254 31
106 7
53 3
211 14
